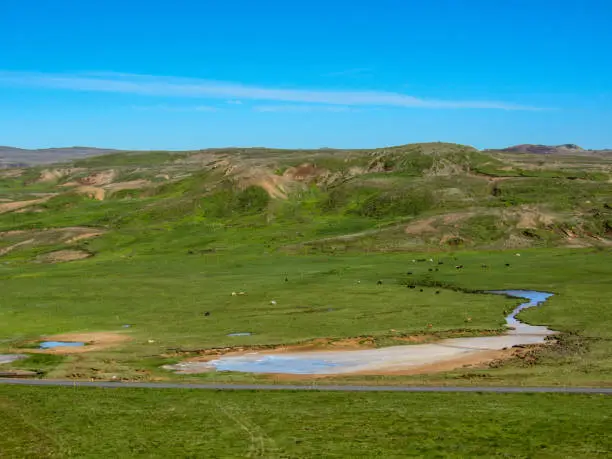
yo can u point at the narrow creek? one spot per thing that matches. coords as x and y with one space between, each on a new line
388 359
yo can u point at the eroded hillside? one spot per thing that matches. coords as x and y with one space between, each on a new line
420 196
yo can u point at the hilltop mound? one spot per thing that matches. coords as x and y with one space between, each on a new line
565 149
409 197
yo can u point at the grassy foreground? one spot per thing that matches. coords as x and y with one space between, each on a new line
322 243
66 422
327 296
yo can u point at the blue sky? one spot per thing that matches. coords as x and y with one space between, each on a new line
188 74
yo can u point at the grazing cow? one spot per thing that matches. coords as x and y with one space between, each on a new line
484 266
507 265
379 282
430 269
411 286
437 292
440 262
436 270
459 266
420 290
286 279
206 313
409 273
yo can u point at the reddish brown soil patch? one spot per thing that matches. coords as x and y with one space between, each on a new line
62 256
16 205
304 172
131 185
421 226
99 178
92 192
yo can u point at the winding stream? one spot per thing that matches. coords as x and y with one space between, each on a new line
386 359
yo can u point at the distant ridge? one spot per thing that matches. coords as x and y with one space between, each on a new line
565 149
11 157
20 157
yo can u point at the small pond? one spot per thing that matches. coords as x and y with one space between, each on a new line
381 360
54 344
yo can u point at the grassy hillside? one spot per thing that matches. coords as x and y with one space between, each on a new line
155 240
425 196
153 258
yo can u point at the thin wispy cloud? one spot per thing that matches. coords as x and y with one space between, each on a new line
194 88
171 108
302 108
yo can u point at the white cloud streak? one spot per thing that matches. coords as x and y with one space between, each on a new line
302 108
169 108
194 88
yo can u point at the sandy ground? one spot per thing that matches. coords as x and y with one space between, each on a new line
96 341
472 360
16 205
410 359
9 358
62 256
443 355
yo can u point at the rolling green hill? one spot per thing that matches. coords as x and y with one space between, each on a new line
151 258
415 197
156 239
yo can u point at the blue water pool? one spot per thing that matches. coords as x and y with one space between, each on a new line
535 299
389 358
53 344
274 364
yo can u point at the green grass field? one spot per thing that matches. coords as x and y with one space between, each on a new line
307 236
165 298
66 422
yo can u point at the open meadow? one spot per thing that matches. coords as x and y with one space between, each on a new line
154 259
66 422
